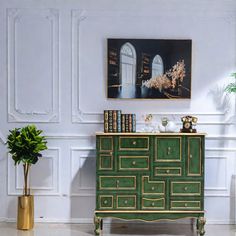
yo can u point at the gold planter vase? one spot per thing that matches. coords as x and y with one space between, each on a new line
25 214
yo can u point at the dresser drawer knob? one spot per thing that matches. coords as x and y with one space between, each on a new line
134 142
167 171
126 201
105 202
186 204
190 156
153 188
134 163
153 204
117 183
110 153
168 150
185 188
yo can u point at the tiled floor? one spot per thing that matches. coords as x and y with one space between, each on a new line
9 229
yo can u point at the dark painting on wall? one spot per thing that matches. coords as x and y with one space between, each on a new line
149 68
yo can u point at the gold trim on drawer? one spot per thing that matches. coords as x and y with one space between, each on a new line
100 201
186 194
133 168
168 160
168 168
153 182
153 200
133 148
185 207
100 163
100 144
200 161
126 196
117 187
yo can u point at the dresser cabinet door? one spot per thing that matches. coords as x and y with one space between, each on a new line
194 156
168 149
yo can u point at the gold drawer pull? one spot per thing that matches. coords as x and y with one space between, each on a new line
153 188
126 201
134 163
110 153
134 142
153 204
167 171
186 204
105 202
168 150
186 188
117 183
190 156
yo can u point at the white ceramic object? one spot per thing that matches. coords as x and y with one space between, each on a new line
170 128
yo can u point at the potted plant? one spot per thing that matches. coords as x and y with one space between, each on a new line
231 88
25 145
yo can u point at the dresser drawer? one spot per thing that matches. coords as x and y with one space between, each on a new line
105 161
129 143
185 205
117 182
168 171
152 203
126 202
105 201
152 187
168 149
185 188
133 162
105 144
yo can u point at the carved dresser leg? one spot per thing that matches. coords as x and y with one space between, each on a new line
98 225
201 224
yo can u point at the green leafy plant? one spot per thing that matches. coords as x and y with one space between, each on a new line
25 145
231 88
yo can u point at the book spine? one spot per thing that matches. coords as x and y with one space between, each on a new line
123 123
119 121
133 123
105 121
130 123
110 123
114 121
126 123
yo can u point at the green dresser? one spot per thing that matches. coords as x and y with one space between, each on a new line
150 177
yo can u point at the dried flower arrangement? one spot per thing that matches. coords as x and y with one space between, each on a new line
171 79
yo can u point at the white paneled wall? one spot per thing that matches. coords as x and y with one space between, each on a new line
53 74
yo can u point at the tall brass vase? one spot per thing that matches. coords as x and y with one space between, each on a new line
25 214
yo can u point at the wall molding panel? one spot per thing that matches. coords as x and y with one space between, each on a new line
46 185
21 55
79 157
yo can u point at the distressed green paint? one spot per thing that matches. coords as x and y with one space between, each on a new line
150 173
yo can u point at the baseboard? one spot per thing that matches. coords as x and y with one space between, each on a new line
109 221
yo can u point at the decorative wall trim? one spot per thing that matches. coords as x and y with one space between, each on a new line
13 188
81 190
15 114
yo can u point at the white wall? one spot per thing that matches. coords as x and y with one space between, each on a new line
53 73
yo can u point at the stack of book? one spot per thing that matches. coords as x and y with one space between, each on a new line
116 122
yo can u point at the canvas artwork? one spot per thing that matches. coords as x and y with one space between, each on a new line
149 68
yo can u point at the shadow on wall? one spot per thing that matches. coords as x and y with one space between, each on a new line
83 189
232 199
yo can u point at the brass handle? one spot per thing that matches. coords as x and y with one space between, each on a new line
110 153
167 171
190 156
185 188
105 202
185 204
134 163
126 201
168 150
134 142
153 188
117 183
153 203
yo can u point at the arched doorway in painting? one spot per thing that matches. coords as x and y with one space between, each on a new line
157 66
127 65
